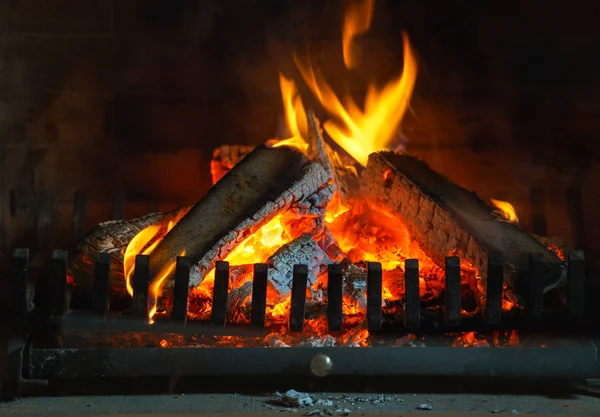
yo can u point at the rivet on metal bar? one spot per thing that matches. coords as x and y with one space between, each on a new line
220 292
452 305
259 296
181 290
576 284
374 290
334 297
19 285
101 284
412 305
535 295
59 282
80 198
141 278
298 305
493 291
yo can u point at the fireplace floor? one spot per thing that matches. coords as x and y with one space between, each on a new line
559 400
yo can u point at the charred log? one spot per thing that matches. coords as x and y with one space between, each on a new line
445 219
266 182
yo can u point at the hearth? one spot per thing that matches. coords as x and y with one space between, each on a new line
344 246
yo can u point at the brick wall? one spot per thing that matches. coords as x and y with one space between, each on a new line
113 95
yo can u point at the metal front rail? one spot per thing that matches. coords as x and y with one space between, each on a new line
575 357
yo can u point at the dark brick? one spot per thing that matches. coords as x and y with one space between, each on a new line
61 16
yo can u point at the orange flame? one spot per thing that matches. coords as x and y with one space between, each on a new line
362 132
357 20
507 209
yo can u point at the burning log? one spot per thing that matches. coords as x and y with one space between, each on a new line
268 181
303 250
343 171
112 237
445 219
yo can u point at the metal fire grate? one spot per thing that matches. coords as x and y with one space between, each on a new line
559 353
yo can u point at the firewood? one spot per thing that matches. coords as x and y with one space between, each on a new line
266 182
113 237
445 219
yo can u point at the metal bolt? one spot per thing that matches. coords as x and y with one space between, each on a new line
321 365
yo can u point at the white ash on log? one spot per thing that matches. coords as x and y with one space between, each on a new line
268 181
226 157
303 250
445 219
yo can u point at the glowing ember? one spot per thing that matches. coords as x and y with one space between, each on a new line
507 210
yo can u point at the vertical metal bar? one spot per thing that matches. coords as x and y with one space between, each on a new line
118 206
59 282
412 305
495 281
298 305
181 291
334 297
80 198
141 279
538 211
19 283
259 296
452 306
220 292
101 284
374 292
576 284
535 295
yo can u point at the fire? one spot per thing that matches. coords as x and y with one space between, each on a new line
507 210
357 20
143 244
361 132
295 116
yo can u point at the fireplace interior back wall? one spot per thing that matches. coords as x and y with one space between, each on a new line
130 98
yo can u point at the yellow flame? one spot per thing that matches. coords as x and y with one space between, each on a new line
294 142
362 132
295 116
507 209
357 20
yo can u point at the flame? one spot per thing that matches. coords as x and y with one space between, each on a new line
362 132
357 20
507 210
143 244
295 116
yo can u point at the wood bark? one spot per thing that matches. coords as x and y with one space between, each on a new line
266 182
446 219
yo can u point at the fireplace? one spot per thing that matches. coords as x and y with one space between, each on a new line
137 139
